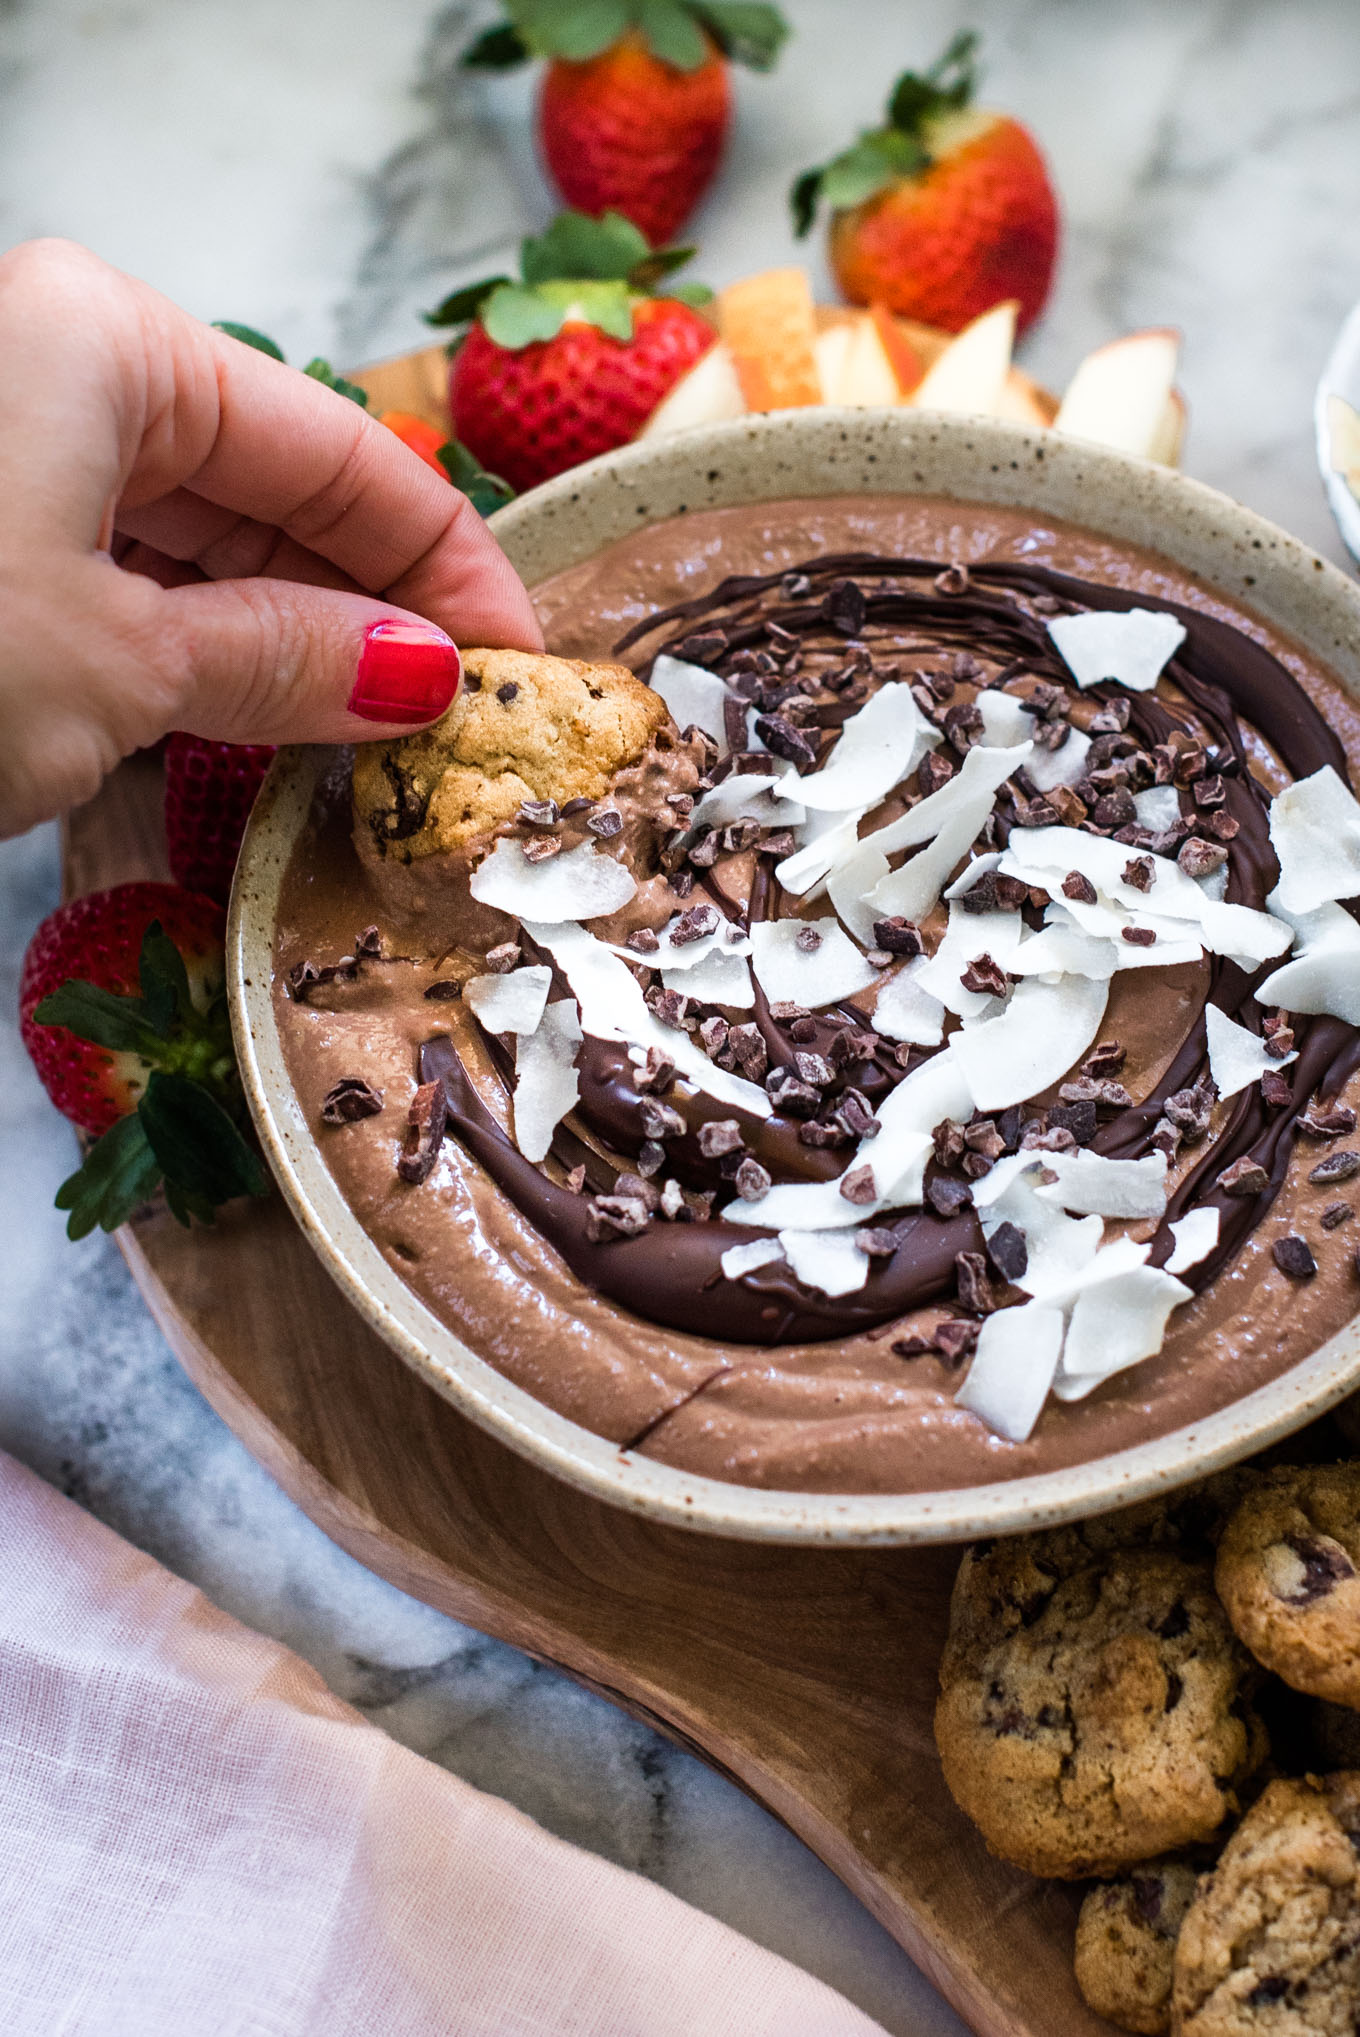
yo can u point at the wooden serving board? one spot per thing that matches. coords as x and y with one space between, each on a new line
806 1675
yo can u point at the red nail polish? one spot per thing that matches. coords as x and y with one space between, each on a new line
408 672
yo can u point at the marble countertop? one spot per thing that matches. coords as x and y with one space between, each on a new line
323 171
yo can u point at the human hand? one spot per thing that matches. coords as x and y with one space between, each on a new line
193 536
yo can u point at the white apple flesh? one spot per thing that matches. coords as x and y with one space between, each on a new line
706 394
1122 395
970 375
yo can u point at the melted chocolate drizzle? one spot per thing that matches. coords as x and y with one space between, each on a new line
671 1272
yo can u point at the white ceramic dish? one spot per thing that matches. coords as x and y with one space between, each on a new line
763 459
1340 377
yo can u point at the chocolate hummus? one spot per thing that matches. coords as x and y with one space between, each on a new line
594 1277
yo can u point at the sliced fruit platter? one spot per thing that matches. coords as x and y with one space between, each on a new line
527 407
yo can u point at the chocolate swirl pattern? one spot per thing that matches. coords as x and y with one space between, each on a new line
804 648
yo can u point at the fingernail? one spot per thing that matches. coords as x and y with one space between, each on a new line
408 672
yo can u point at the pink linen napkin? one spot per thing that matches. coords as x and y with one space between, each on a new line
198 1840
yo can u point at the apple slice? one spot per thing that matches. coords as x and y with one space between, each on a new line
971 372
705 394
906 363
854 368
1119 394
1018 400
831 350
769 323
1170 435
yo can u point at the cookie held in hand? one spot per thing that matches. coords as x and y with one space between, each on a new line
525 727
1289 1574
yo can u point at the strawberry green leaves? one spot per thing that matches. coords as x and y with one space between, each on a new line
318 370
901 148
187 1131
249 337
678 32
486 492
592 270
321 371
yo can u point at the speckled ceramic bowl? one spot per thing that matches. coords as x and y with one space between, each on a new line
753 460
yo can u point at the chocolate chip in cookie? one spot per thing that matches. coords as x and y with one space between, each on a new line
1288 1572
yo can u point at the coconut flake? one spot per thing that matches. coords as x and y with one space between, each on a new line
876 748
1196 1235
786 972
1047 855
905 1011
1004 721
1061 948
1090 1184
1059 1247
546 1083
1010 1376
827 840
1125 647
1044 1029
1315 832
1158 807
1237 1057
828 1260
612 1008
1050 768
863 888
947 821
693 695
968 935
739 1259
745 795
1117 1321
510 1004
581 883
1323 974
722 976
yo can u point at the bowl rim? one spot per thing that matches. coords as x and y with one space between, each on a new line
900 452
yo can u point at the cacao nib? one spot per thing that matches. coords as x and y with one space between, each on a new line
350 1100
899 936
1008 1251
1293 1258
425 1123
1341 1166
1245 1178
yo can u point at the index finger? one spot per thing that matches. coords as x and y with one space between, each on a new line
113 390
289 452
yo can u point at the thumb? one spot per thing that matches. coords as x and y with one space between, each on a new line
278 661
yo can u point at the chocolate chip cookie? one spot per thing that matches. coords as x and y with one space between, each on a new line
1287 1573
1095 1705
1126 1944
1270 1946
524 727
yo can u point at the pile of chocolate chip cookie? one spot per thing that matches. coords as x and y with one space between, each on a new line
1167 1701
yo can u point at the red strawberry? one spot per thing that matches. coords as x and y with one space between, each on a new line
209 791
636 101
123 1010
944 212
573 360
